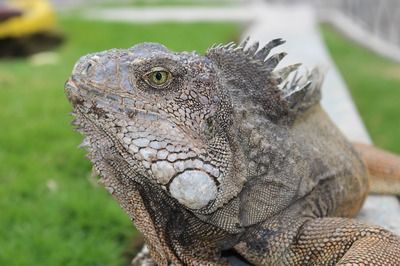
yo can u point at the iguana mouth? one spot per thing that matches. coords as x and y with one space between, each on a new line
71 90
77 93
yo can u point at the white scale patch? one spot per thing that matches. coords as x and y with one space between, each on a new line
148 154
141 142
194 189
163 171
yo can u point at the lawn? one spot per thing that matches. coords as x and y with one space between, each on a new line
52 212
374 83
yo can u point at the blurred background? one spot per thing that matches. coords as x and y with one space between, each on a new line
52 211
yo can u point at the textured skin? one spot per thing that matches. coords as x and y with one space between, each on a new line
224 156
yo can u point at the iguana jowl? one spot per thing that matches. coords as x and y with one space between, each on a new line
222 152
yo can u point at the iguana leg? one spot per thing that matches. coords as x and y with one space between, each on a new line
324 241
341 241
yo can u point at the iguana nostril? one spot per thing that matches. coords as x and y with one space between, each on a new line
87 68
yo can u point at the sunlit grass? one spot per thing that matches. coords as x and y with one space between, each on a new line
374 82
51 211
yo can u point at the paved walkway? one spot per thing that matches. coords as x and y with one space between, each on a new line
177 14
298 26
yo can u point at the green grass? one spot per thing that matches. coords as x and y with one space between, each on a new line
51 211
374 83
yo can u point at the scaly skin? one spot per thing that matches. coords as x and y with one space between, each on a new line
216 153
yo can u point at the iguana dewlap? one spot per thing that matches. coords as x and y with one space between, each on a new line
222 154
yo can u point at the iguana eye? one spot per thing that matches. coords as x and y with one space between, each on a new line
158 77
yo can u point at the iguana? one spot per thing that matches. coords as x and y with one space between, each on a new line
221 155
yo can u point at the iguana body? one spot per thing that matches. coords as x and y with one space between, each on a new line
219 153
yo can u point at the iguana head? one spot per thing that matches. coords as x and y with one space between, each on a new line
165 114
172 116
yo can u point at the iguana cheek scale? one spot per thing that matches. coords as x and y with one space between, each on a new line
223 154
194 189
